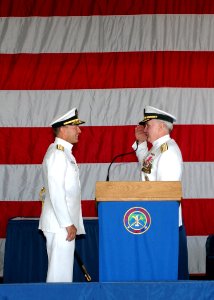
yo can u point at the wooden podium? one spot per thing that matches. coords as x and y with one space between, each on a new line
138 230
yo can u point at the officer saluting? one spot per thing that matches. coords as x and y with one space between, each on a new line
61 218
163 162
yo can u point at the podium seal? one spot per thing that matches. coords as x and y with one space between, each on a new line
137 220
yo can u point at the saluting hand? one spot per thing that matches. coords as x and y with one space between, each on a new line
140 134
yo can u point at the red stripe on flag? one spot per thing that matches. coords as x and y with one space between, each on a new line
12 209
198 216
106 70
102 7
32 209
30 144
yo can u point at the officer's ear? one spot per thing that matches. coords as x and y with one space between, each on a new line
61 131
161 125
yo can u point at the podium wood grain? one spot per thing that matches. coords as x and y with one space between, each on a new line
138 190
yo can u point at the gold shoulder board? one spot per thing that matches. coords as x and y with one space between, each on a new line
164 147
60 147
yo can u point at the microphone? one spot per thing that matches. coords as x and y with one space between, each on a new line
120 155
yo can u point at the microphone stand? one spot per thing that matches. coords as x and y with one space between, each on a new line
120 155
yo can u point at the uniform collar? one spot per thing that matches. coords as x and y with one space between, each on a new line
64 143
161 140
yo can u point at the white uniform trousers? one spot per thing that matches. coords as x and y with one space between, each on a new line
60 256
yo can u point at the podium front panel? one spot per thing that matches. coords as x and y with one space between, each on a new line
138 241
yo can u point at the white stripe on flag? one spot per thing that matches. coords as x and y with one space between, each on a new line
105 107
25 181
197 254
2 248
107 33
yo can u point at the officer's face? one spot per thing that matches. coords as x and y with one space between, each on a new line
153 130
72 133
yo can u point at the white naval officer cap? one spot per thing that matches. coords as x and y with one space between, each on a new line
69 118
152 113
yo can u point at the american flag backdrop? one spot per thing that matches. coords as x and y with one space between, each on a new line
108 58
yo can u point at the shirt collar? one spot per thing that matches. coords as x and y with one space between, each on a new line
161 140
64 143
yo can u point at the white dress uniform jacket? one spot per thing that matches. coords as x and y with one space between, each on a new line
163 162
62 205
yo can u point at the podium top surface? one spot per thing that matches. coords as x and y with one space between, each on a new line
138 190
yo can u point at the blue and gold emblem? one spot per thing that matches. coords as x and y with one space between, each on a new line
137 220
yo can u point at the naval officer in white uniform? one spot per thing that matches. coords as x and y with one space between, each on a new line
162 162
61 218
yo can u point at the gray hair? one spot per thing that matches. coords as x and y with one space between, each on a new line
168 125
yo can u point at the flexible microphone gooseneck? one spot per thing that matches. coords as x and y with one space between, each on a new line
120 155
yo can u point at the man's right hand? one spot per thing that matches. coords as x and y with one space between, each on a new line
139 134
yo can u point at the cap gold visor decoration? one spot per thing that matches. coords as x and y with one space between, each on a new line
74 122
146 118
157 117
